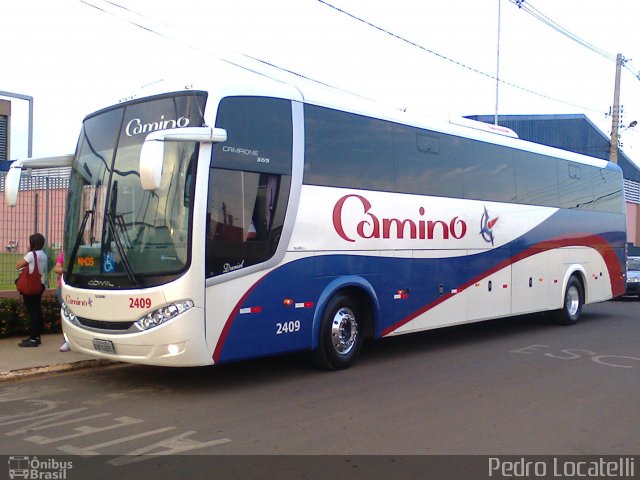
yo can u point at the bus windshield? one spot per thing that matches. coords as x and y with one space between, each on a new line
119 235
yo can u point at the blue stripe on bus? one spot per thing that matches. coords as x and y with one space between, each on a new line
276 328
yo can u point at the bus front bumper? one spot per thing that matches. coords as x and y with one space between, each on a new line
180 342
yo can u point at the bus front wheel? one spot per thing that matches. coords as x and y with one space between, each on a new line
340 338
573 302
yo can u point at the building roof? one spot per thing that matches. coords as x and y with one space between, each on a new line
573 132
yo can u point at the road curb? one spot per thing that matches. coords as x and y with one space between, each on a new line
59 368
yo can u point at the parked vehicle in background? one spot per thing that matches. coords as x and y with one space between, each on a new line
633 276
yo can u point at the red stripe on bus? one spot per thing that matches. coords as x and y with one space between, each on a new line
227 326
591 241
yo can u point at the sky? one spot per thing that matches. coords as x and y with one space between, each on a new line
433 58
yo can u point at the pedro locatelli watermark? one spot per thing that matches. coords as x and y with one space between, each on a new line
562 468
35 468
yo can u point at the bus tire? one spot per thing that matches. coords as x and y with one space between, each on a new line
341 334
573 303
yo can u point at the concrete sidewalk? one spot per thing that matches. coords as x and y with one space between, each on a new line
18 362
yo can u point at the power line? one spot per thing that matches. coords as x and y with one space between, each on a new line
292 72
531 10
110 13
199 49
455 62
305 77
534 12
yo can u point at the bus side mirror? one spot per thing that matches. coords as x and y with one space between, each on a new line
11 186
12 180
152 153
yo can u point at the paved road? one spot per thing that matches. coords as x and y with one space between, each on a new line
515 386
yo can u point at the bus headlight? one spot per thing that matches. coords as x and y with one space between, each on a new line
163 314
68 314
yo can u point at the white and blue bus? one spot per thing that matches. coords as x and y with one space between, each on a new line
241 219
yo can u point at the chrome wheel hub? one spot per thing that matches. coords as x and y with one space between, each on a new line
344 331
572 302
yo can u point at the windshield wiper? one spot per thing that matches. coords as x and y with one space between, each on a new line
111 220
76 245
87 214
120 247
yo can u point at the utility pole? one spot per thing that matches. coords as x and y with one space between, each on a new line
615 113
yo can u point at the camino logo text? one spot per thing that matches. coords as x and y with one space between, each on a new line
371 225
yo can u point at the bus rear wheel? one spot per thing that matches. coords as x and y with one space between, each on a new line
573 303
341 335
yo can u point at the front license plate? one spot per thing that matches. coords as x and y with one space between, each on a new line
104 346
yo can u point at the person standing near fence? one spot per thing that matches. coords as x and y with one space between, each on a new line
33 303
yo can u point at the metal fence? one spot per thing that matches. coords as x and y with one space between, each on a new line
40 208
631 191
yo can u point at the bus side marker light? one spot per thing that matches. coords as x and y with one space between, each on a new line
400 295
244 311
304 305
288 302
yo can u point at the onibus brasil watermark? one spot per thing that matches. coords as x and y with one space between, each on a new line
565 468
34 468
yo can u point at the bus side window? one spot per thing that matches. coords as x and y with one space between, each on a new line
575 186
249 182
264 207
240 219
